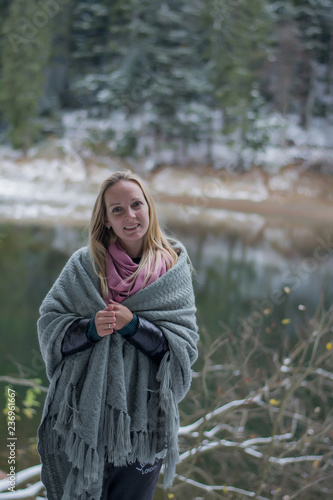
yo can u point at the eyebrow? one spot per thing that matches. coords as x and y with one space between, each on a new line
119 202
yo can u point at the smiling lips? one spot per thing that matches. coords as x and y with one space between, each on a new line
131 228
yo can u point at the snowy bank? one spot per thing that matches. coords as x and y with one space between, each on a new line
58 180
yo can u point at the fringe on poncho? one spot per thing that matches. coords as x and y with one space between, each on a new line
111 402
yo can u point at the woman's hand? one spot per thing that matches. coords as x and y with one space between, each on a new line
122 315
105 321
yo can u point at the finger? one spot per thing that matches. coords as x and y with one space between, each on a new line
112 303
106 315
110 326
109 314
107 324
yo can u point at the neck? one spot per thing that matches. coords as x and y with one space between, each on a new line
134 251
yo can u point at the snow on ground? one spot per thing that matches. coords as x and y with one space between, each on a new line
39 188
219 185
312 145
59 180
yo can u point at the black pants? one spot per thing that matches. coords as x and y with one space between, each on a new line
133 482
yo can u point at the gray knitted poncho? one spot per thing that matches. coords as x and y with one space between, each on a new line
111 402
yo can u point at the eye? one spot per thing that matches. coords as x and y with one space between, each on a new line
137 204
116 210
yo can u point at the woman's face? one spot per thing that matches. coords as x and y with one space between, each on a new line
127 212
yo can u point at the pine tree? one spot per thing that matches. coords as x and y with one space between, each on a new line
160 63
302 58
59 69
24 53
239 41
90 34
314 19
152 56
90 54
4 4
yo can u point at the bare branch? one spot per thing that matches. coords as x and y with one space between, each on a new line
187 430
224 489
22 381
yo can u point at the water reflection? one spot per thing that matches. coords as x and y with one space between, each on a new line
280 269
237 274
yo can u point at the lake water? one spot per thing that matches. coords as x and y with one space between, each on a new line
250 272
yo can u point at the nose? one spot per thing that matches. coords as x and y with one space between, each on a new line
130 213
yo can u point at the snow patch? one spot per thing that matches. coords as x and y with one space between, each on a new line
68 179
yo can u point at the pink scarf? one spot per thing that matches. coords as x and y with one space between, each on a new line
120 266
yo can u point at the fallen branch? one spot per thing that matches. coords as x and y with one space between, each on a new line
21 477
188 429
203 448
22 381
224 489
29 492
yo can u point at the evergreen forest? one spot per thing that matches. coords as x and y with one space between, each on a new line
186 69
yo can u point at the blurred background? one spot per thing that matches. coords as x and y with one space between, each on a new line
225 108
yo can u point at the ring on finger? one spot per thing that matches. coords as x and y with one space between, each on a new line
109 326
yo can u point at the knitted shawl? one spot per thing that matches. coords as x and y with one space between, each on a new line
111 402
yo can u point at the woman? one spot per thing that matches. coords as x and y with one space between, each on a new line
118 335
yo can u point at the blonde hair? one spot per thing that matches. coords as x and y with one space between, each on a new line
155 243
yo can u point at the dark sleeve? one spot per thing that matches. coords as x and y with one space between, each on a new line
147 337
80 336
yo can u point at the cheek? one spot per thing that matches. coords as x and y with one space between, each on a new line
115 222
146 218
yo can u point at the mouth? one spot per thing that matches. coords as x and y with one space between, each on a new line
132 227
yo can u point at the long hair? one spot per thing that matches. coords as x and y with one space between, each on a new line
155 243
